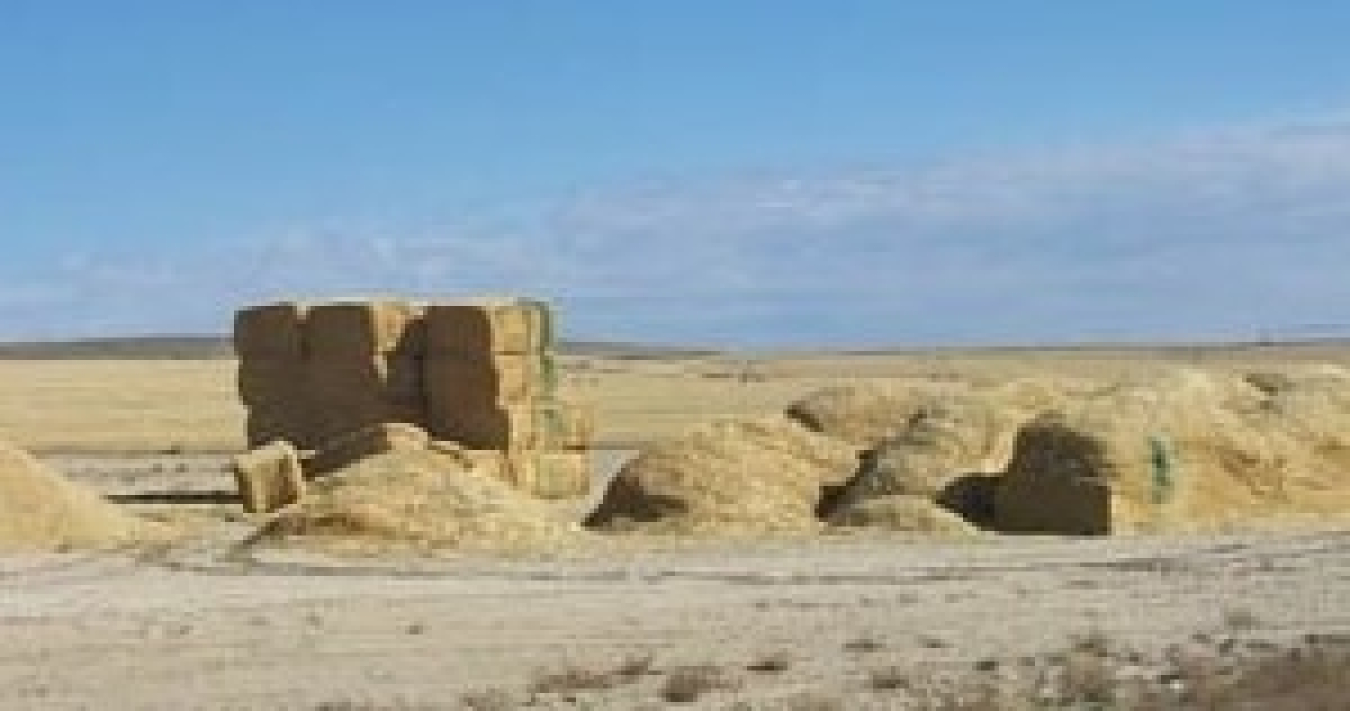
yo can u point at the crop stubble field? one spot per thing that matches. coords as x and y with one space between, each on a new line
200 627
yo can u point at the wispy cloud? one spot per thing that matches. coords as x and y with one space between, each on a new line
1224 232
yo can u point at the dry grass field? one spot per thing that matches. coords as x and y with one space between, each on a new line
191 406
860 621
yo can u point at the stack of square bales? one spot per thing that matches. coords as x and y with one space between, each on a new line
478 373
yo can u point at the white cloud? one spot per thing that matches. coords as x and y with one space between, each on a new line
1226 232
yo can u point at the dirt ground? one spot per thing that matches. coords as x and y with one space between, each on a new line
210 625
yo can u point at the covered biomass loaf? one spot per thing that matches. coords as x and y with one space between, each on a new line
488 326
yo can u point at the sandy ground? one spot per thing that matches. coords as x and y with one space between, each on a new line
204 625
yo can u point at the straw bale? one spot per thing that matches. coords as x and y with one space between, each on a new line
516 426
488 380
268 423
737 475
419 500
42 511
571 424
1191 450
908 514
948 446
557 474
509 325
351 447
267 381
270 331
363 328
346 394
269 477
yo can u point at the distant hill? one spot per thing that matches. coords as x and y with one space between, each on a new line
179 347
122 348
184 347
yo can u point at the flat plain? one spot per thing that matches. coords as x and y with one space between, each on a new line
770 624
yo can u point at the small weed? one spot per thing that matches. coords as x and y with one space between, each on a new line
773 663
686 684
889 679
864 644
571 679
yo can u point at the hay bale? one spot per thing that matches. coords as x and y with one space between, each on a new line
272 389
946 453
738 475
1191 450
346 394
418 501
907 514
352 447
488 380
505 427
42 511
270 331
559 474
356 329
507 325
269 477
571 425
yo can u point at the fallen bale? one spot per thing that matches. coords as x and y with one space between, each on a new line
42 511
738 475
269 477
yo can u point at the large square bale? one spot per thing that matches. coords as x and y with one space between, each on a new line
478 382
347 394
363 328
270 331
488 326
515 426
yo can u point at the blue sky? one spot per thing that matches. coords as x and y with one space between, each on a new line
746 172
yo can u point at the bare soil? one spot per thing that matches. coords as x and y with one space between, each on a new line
761 624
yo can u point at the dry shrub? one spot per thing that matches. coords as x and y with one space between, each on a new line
738 475
686 684
573 679
419 499
891 678
41 510
772 663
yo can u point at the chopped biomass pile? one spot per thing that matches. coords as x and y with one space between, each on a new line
738 475
419 500
42 511
866 416
946 448
906 514
1190 451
